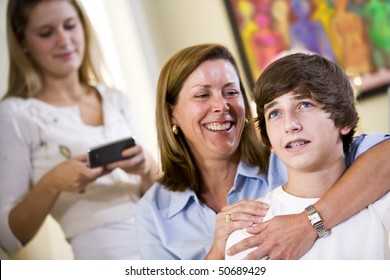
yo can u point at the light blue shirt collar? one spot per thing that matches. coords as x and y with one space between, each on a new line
179 200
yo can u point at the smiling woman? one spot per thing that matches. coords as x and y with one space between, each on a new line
200 93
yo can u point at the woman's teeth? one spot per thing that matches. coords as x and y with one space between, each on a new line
218 126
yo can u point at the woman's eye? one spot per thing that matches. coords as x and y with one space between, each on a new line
45 34
231 93
202 95
70 26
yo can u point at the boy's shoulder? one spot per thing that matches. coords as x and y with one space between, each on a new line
362 143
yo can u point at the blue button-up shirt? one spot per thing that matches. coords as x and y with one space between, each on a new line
176 225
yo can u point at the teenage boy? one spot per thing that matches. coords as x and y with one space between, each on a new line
307 116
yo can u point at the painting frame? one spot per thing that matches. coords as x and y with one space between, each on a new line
239 43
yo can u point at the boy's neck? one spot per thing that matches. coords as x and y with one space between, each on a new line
313 184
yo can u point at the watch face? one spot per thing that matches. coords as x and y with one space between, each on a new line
316 221
315 218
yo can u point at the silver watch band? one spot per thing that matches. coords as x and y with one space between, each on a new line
316 221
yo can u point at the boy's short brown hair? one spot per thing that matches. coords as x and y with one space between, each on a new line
313 76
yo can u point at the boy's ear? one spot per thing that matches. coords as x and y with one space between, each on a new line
345 130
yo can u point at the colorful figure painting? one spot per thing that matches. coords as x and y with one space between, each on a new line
353 33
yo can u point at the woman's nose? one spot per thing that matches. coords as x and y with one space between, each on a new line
62 37
219 104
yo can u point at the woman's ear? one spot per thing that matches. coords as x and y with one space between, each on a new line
24 46
173 120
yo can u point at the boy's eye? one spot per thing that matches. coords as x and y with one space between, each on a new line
306 105
273 114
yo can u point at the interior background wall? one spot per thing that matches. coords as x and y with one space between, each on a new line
175 24
137 37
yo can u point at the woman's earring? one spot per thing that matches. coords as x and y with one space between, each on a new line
246 122
175 130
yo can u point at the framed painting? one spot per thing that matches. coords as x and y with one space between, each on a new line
355 34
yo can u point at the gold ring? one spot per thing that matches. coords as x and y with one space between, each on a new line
228 219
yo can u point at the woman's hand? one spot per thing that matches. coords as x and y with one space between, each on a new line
242 214
282 237
137 162
73 175
140 162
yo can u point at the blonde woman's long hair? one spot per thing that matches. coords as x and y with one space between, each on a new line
24 75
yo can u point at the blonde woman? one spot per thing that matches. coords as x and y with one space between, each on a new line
55 109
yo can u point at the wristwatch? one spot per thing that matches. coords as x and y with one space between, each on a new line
316 221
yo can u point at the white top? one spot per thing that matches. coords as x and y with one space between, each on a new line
366 235
36 136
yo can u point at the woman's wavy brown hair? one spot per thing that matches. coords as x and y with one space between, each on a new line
178 165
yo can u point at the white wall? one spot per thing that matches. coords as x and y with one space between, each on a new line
374 113
3 49
175 24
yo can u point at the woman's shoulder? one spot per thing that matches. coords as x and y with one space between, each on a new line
153 200
159 198
14 100
108 91
14 104
16 117
156 195
112 96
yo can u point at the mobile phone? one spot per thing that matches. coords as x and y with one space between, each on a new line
107 153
